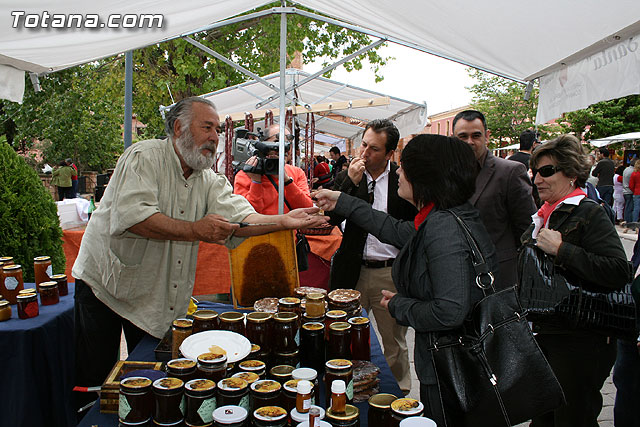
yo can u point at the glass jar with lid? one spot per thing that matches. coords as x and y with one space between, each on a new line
232 321
135 401
28 306
230 416
256 366
63 285
333 316
42 270
285 332
12 282
205 320
270 416
289 305
5 310
360 338
265 393
259 329
380 409
312 346
200 402
403 408
180 330
233 391
350 418
168 393
184 369
212 366
339 369
314 305
49 293
339 345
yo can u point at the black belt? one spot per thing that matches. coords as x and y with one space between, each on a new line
378 264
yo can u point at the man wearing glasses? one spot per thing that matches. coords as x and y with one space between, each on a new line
503 194
262 190
362 262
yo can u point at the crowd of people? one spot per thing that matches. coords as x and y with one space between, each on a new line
401 247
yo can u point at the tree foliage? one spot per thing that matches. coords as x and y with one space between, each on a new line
503 104
605 118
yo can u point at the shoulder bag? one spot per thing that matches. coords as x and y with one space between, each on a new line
491 371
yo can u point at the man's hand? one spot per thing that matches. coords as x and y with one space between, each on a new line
213 229
325 199
303 218
252 161
356 170
386 297
549 241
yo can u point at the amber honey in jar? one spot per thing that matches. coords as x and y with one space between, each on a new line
28 306
315 305
212 366
205 320
403 408
49 293
350 418
183 369
256 366
339 345
338 369
360 338
63 284
285 331
259 329
232 321
265 393
233 391
5 310
180 330
42 270
380 409
168 393
200 399
270 416
135 401
312 346
249 377
333 316
12 282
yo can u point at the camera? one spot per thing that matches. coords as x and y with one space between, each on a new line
244 148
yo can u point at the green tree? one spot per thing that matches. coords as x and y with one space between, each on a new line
503 104
605 118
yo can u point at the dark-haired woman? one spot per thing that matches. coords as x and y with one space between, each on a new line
586 248
433 271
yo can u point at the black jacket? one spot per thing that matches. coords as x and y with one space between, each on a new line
345 266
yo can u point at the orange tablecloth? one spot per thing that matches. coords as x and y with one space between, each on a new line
212 271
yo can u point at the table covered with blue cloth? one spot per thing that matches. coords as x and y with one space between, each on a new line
144 351
36 356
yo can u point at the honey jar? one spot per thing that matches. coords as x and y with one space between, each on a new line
49 293
200 402
380 409
285 332
350 418
259 329
135 404
212 366
360 338
256 366
265 393
232 321
63 285
183 369
315 305
339 369
270 416
281 373
403 408
42 270
28 306
5 310
12 282
249 377
233 391
168 393
339 345
205 320
312 346
333 316
180 330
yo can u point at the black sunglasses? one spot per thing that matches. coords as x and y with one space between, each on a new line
287 137
546 171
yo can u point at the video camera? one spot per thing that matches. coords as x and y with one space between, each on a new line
244 148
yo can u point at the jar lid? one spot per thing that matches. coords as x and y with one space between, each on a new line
299 418
382 400
47 285
11 267
291 386
5 259
230 414
26 296
252 365
281 370
27 291
168 383
212 358
58 277
334 314
183 323
200 386
417 421
407 407
339 364
292 301
304 387
270 413
338 386
339 326
313 326
231 316
4 303
308 374
42 258
286 354
266 386
205 314
350 413
232 384
258 316
135 383
255 348
358 321
315 296
249 377
285 316
180 364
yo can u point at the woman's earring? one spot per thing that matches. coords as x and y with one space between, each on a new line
571 183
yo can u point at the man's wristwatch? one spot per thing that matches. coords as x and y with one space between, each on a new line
289 181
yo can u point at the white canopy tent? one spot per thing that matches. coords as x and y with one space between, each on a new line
583 52
601 142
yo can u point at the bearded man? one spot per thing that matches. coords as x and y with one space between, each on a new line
136 266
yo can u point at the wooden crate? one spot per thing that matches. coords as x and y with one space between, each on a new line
110 393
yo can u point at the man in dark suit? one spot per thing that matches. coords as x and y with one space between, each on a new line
362 261
503 194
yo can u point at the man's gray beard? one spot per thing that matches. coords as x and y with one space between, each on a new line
193 156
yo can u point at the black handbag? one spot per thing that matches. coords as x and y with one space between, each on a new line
553 299
491 371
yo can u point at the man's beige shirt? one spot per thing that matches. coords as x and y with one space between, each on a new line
147 281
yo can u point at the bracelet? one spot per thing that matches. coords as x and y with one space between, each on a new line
288 182
256 182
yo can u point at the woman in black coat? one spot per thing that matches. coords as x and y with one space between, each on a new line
433 272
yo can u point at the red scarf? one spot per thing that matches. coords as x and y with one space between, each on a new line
422 215
547 208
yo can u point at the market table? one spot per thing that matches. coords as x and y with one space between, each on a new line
144 351
37 366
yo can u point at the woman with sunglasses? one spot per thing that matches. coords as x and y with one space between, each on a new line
578 233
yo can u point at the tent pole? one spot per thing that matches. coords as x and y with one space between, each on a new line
128 97
281 121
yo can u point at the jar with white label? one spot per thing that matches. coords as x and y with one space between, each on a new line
12 282
42 270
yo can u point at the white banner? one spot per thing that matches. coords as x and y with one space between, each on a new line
611 73
11 83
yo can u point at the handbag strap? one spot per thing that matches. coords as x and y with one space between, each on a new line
276 187
484 276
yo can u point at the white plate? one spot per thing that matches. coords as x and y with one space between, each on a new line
236 345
